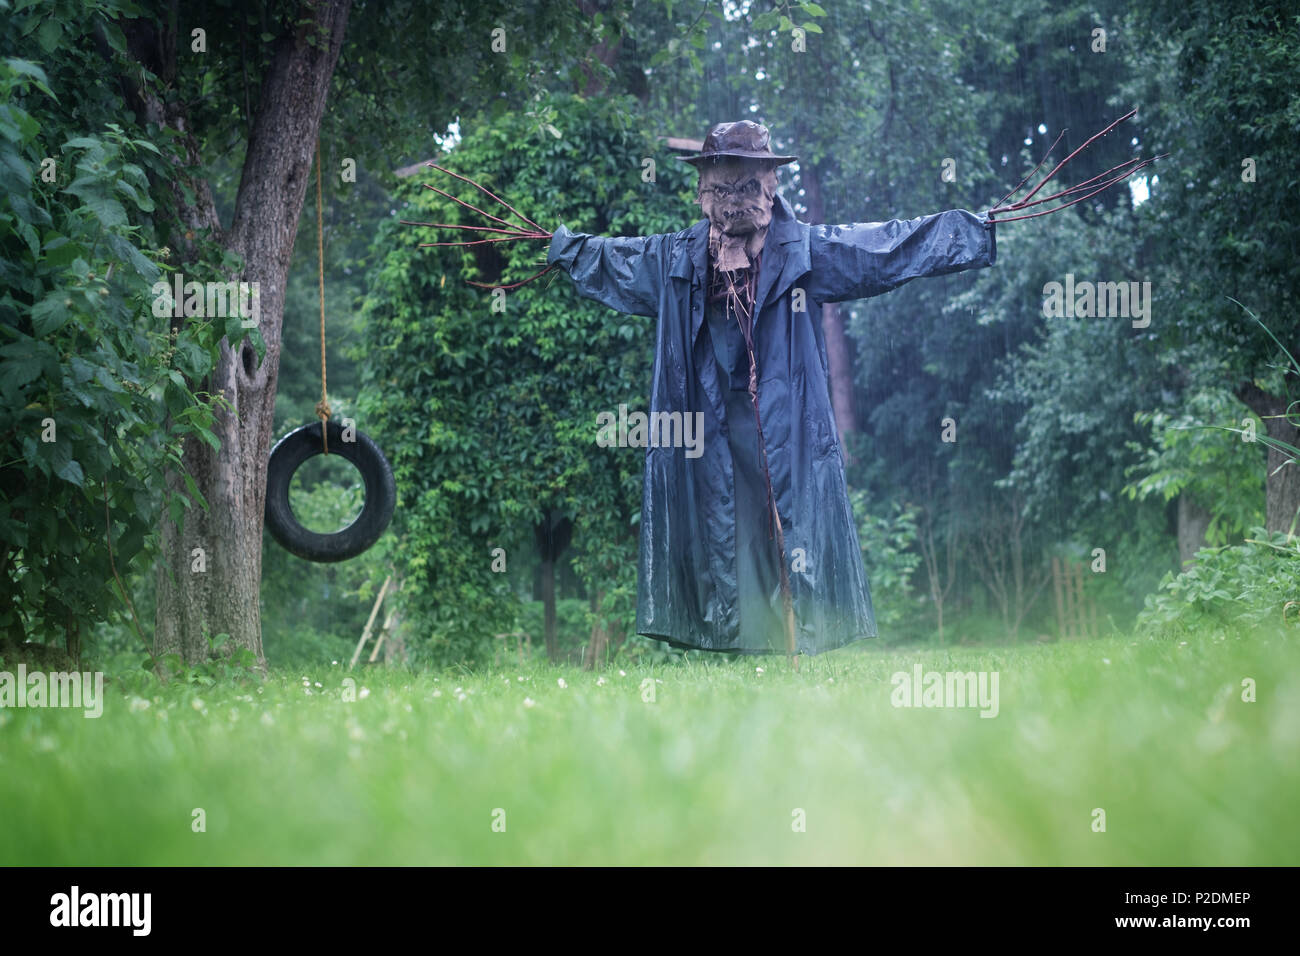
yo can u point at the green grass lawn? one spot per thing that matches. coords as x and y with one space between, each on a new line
714 770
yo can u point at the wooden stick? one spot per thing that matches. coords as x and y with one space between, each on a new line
513 231
1036 168
494 195
383 631
1131 113
1079 187
365 635
1100 189
481 212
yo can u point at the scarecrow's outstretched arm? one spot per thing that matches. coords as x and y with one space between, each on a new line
624 273
863 259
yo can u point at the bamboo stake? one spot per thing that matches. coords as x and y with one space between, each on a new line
365 635
383 632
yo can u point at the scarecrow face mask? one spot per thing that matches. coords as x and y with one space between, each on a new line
737 194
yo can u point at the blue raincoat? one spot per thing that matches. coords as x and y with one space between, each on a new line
691 578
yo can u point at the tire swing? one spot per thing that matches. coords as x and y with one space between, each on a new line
308 441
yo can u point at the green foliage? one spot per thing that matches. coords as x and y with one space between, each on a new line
1240 586
221 665
1189 457
1248 583
87 371
573 626
489 415
1215 98
889 555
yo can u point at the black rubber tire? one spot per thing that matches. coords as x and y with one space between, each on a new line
381 494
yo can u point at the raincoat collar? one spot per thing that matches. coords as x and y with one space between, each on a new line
785 259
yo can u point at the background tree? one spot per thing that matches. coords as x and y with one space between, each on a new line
84 380
489 402
1222 101
257 81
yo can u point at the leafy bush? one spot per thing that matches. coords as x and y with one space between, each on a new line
889 555
572 625
488 413
1189 458
1241 585
1245 584
87 373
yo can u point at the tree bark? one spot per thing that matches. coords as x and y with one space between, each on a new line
599 642
549 630
839 352
1282 485
605 52
224 598
1193 522
552 535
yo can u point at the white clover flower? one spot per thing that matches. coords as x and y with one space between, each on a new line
758 670
622 673
529 702
600 682
561 682
363 693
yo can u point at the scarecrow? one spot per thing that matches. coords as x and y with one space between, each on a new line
751 546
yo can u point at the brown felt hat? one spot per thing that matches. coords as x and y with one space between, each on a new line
744 139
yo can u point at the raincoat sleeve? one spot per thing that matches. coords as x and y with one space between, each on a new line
863 259
624 273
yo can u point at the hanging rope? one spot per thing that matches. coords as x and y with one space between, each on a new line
323 406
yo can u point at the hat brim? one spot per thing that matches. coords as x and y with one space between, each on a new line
738 154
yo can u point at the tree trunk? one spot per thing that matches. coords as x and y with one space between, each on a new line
941 578
839 352
605 52
548 609
552 534
224 597
1193 521
599 642
1282 487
